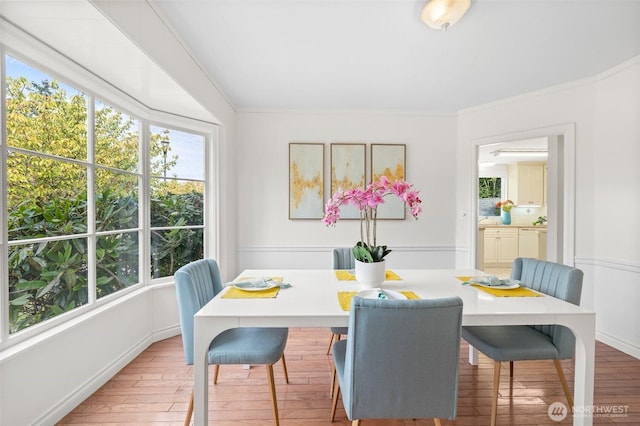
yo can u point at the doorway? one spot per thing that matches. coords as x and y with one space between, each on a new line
560 189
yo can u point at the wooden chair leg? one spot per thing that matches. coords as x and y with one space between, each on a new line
333 380
496 387
511 369
215 374
334 337
563 381
187 420
334 404
355 422
274 401
284 367
437 421
330 343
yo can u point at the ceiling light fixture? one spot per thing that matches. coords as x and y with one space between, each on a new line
486 164
520 153
441 14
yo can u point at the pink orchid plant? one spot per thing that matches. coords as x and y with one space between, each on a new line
367 201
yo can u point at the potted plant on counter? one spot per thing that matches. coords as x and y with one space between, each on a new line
506 207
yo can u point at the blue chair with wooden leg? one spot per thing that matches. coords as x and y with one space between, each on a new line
342 259
521 342
196 284
400 359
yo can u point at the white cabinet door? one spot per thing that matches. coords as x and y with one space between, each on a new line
526 184
508 247
490 247
528 243
530 185
500 246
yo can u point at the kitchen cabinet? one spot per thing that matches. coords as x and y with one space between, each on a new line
500 246
526 184
528 243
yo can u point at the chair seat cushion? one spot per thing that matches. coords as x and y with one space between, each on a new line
250 345
340 330
510 343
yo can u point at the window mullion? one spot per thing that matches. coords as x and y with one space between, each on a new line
144 201
4 249
91 202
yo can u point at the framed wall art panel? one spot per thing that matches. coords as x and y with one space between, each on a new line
347 172
389 160
306 180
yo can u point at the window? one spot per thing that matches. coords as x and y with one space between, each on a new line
116 183
177 199
47 211
489 193
75 205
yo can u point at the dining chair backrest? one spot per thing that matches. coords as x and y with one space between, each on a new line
402 358
557 280
343 258
196 284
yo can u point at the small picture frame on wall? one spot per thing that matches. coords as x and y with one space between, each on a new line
389 160
347 172
306 180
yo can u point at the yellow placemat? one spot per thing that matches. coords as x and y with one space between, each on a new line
344 275
516 292
344 298
236 293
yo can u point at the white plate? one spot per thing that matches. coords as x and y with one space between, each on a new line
374 293
256 285
504 285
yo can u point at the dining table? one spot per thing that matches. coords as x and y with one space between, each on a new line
311 298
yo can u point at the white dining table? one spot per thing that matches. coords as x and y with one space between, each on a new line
312 301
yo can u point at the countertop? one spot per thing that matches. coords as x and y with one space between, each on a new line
491 225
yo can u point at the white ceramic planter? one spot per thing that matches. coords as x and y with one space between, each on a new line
370 275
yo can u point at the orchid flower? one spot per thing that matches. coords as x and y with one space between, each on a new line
367 201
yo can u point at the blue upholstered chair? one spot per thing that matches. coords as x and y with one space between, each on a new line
342 259
196 284
400 359
522 342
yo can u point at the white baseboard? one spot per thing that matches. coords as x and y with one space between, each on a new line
74 399
618 344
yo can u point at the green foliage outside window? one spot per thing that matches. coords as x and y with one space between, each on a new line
489 187
48 212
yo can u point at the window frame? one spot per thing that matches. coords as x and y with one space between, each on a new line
34 54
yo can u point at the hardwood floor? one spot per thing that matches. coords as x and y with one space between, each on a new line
154 390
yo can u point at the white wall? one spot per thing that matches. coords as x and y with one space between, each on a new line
615 257
266 236
45 378
605 110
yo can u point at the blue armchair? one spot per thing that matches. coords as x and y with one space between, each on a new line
522 342
196 284
400 359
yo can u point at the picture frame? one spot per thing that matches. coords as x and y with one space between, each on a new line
306 180
389 160
348 171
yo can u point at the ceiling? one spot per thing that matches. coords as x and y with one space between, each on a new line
377 55
366 55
